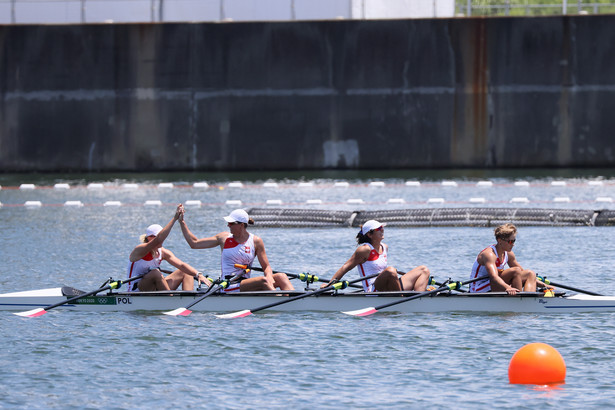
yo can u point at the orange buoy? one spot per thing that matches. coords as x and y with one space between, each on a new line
537 363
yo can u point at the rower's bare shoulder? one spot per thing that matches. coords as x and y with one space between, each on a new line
486 255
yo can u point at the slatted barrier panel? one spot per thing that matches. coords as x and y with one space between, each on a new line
482 217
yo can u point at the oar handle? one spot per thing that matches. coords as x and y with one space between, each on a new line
559 285
337 285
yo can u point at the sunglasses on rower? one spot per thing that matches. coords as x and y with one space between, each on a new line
510 241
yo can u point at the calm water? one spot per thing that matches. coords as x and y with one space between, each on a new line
277 360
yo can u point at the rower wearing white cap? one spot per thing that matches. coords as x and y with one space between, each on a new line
147 256
239 247
370 257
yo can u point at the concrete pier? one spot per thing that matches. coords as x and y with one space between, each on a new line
422 93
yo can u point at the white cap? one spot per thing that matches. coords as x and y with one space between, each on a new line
153 230
370 226
238 215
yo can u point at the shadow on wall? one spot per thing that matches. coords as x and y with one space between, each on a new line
341 154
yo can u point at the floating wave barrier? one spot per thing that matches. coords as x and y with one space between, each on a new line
481 217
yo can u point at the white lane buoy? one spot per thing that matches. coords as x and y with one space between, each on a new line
274 202
413 183
73 203
193 203
112 203
435 201
95 185
519 199
522 183
165 185
396 201
233 202
449 183
484 184
561 199
235 184
270 185
61 186
130 186
341 184
478 200
200 185
153 202
27 186
33 204
377 184
355 201
314 201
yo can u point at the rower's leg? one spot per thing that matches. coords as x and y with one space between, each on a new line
512 276
529 280
178 278
387 280
257 283
280 280
188 282
154 280
416 279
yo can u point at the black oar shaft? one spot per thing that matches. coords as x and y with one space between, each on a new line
316 292
559 285
295 276
450 286
208 293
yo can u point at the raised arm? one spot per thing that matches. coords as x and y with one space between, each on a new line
193 241
143 249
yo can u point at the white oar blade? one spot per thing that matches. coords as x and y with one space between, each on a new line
32 313
361 312
235 315
178 312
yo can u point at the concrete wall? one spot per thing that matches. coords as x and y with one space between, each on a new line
501 92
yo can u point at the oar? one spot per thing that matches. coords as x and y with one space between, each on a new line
113 285
451 286
337 285
185 311
304 277
559 285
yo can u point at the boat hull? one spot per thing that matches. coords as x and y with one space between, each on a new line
327 302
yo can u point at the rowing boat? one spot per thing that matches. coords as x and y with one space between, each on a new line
494 302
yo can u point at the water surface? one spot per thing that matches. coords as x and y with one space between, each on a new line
305 360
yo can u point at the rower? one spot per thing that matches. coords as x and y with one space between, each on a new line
239 247
145 260
370 257
498 262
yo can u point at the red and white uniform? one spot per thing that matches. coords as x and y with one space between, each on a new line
235 252
479 270
375 263
144 265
